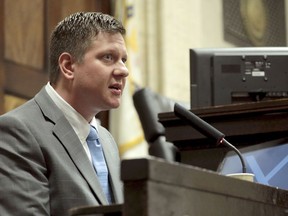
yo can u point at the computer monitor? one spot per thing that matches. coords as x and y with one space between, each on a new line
220 76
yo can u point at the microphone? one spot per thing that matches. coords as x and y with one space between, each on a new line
206 129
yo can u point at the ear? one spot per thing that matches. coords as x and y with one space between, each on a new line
66 65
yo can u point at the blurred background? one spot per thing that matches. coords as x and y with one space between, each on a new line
159 36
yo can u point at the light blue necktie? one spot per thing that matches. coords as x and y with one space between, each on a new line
99 161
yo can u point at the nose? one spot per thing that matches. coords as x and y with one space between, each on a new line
121 70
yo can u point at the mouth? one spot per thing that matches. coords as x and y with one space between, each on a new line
116 88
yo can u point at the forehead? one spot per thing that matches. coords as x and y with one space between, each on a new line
109 40
106 36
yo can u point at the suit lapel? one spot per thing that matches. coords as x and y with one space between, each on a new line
78 155
68 138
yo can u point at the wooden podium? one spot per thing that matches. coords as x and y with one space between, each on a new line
153 187
157 188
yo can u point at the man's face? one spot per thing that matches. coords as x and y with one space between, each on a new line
100 78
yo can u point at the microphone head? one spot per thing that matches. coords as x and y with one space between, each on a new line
197 123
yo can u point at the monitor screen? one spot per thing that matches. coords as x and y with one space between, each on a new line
268 161
220 76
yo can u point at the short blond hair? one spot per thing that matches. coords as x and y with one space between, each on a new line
74 35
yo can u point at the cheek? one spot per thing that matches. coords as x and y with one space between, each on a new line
84 75
83 82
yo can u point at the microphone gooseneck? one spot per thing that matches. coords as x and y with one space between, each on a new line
206 129
229 145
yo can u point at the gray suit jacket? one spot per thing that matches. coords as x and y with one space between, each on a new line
44 169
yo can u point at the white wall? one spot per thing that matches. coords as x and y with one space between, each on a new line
187 24
177 26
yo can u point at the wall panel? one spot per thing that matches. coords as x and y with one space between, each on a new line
24 32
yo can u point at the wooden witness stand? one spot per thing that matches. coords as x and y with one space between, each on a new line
153 187
156 187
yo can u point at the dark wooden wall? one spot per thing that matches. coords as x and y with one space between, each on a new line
25 27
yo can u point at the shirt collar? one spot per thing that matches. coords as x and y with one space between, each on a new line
77 121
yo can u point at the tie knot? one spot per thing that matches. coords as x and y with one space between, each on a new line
93 135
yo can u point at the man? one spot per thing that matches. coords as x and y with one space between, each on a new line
45 162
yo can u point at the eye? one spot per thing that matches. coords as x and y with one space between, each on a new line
124 60
108 57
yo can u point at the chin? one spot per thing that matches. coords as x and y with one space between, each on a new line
115 105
